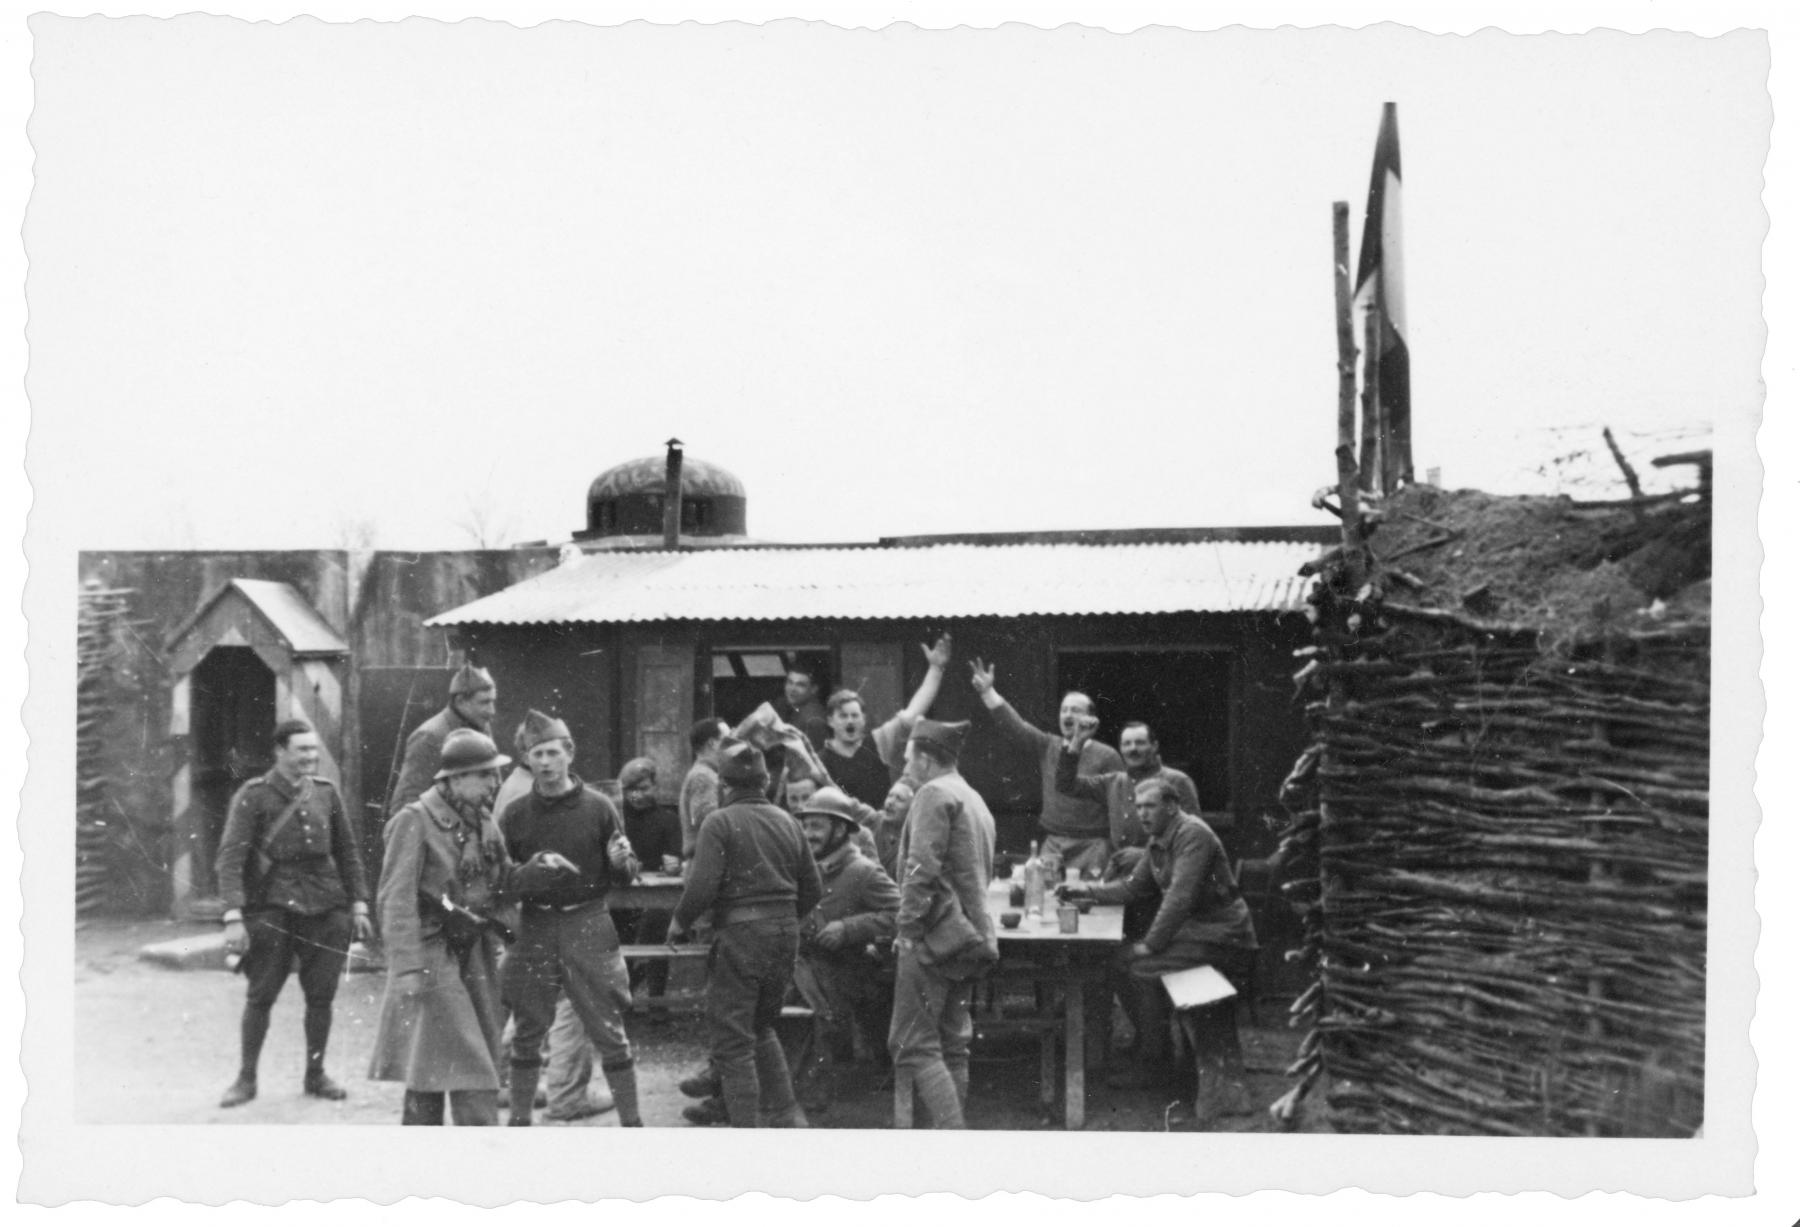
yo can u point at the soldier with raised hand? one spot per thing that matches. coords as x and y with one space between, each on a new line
294 889
473 697
1077 830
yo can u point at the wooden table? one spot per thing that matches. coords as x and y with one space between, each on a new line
1067 962
651 890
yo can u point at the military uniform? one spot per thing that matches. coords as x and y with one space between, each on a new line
852 985
300 908
423 749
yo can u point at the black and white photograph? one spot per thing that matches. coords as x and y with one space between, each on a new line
1183 599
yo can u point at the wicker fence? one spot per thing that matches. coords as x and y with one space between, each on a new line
1500 851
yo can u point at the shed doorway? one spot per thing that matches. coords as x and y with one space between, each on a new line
1183 694
231 710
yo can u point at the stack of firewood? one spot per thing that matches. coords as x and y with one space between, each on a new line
101 615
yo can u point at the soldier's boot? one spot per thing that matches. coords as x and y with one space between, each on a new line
422 1108
253 1029
622 1080
521 1090
936 1089
776 1108
318 1034
959 1078
703 1085
475 1107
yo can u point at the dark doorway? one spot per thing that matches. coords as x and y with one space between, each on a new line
1183 694
232 721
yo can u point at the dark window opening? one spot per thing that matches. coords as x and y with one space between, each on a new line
1183 695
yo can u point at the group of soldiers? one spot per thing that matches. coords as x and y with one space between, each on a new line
828 862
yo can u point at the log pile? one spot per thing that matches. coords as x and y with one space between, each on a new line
1500 834
117 865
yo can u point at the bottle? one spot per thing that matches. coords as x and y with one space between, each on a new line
1034 883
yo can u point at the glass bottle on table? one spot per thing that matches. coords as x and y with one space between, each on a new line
1034 883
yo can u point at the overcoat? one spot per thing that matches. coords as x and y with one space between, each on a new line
445 1037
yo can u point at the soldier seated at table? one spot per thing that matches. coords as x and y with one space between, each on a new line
845 972
1201 918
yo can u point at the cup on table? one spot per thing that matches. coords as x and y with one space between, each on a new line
1068 918
1015 897
1011 920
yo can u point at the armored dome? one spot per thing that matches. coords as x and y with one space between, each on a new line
699 478
626 501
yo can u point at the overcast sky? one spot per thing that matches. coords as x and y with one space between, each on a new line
288 281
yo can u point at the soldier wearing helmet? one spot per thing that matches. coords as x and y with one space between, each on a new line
443 880
845 972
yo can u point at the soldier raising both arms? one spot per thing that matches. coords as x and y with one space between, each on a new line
294 888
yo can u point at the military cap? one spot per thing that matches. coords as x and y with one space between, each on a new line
470 680
741 763
947 737
539 728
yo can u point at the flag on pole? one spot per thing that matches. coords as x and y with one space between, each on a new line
1379 289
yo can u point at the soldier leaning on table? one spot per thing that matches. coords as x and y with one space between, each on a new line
293 885
1201 918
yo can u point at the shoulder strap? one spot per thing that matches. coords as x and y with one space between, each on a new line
281 821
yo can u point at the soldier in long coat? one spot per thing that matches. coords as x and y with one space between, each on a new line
441 1018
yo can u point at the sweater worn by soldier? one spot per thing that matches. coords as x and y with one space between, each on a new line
1060 814
424 750
316 867
750 861
1117 790
579 824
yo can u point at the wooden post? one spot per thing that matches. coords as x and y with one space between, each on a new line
1348 499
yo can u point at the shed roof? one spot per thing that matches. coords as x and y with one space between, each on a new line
290 615
936 581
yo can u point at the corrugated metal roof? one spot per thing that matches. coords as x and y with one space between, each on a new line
293 617
886 582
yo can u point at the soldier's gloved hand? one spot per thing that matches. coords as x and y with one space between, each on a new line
830 937
411 983
237 938
361 925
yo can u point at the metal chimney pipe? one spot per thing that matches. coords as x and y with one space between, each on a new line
672 498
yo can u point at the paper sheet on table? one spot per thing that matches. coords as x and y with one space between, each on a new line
1197 986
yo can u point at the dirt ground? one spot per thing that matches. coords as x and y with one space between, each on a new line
158 1046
